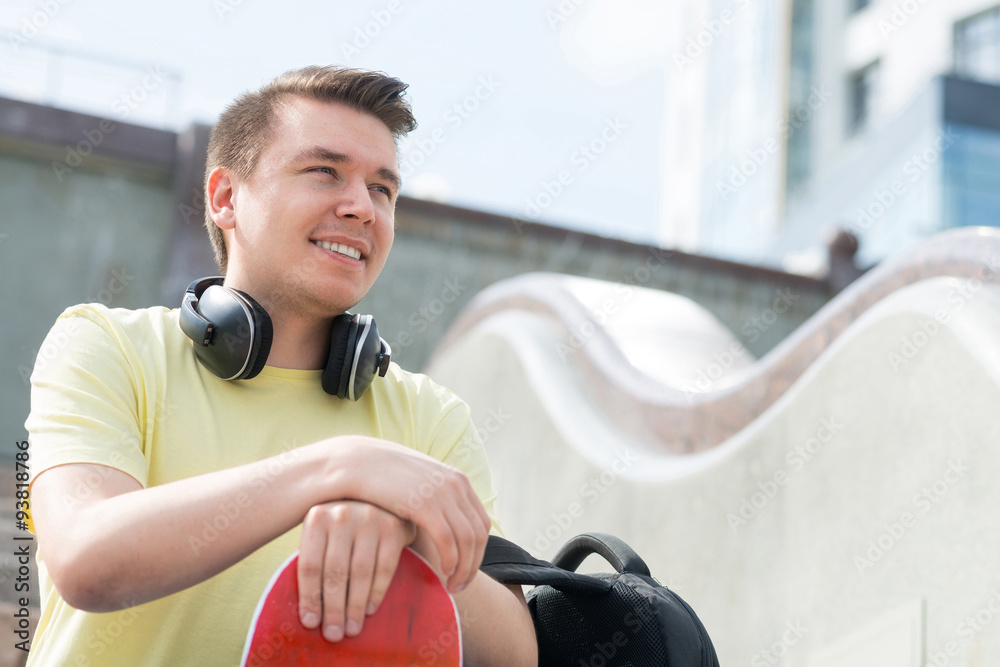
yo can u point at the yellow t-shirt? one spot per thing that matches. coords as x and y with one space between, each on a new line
123 389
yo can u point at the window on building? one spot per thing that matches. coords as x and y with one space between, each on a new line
863 92
977 47
800 86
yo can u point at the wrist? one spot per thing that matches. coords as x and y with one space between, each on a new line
326 469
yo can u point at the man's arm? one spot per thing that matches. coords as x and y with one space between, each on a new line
124 545
496 625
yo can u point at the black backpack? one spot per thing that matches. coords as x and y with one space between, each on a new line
600 620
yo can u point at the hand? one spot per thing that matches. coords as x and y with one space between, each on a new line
436 497
347 557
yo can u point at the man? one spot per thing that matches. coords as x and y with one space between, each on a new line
168 496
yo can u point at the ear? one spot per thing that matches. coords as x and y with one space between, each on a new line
220 198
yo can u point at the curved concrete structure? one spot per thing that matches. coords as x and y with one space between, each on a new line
685 418
847 516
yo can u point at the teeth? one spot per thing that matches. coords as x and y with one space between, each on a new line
341 248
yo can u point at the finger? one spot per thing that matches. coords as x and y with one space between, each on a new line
439 529
466 537
470 524
386 562
312 551
336 571
359 582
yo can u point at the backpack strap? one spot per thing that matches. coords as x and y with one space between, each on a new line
510 564
621 556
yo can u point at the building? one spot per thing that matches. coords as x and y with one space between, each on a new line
908 143
793 117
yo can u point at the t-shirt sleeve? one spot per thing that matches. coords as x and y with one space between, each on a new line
457 443
85 398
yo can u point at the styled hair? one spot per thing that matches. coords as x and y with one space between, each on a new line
246 127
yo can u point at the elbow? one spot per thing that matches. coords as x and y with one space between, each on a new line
83 587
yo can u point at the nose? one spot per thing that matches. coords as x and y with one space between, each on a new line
356 203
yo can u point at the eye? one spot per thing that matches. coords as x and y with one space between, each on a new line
324 170
383 189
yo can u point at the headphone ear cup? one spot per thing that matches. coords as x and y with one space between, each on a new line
343 337
261 344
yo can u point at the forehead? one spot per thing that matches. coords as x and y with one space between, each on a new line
301 123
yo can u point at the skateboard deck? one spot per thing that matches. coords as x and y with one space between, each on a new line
416 624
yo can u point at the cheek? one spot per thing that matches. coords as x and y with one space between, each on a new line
386 230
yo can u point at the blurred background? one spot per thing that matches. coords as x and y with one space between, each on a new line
574 136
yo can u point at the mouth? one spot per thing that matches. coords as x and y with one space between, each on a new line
340 248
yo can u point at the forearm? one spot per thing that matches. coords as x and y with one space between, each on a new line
141 545
496 626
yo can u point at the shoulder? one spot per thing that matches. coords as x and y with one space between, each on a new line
92 333
117 321
412 408
418 389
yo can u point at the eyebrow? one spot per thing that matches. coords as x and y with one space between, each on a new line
325 155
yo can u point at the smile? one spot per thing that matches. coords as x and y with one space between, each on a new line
340 248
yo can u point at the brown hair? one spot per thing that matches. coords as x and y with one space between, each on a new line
245 128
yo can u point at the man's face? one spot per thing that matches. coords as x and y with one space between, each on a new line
314 222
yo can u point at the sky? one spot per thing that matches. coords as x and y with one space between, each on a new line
516 116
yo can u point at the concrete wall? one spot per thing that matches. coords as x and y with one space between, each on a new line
851 524
97 210
443 256
97 237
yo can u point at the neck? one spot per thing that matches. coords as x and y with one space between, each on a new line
299 342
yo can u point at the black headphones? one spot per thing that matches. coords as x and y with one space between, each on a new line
232 337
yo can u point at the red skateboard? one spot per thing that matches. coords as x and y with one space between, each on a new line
416 624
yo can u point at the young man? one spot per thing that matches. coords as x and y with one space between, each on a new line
164 497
